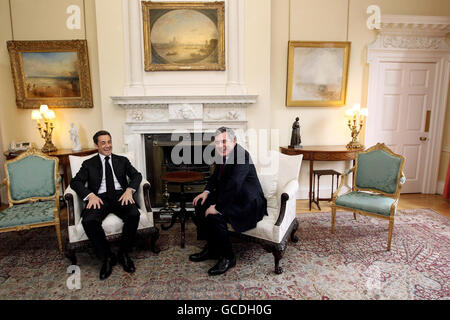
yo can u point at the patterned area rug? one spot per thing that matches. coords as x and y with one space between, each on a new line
351 264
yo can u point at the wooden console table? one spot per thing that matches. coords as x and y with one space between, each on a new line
321 153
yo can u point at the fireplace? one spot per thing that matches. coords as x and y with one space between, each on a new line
159 160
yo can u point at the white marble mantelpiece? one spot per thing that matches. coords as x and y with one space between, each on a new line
170 114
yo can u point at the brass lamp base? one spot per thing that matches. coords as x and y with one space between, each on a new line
48 147
355 145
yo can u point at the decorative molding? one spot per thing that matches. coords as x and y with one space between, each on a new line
412 32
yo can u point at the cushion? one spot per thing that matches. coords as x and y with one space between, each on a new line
378 170
27 213
366 202
112 224
30 177
267 169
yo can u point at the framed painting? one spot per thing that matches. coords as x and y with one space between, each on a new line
183 35
51 72
317 74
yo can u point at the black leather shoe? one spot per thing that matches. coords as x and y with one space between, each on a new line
222 266
107 266
203 255
126 262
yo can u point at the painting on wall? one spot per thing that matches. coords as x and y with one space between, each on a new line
51 72
317 74
183 36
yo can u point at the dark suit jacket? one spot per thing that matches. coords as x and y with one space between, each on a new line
237 191
92 172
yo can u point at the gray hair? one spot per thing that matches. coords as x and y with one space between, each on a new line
229 131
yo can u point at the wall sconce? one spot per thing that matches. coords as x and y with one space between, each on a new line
45 130
355 117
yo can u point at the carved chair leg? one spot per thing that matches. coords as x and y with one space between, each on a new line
153 238
278 254
294 238
333 218
391 229
58 236
354 215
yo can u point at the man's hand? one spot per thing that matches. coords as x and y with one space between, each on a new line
201 196
127 197
211 210
94 202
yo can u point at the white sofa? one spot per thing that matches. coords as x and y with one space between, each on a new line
278 174
112 224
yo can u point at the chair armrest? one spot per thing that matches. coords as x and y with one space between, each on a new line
341 184
143 195
74 206
288 192
402 178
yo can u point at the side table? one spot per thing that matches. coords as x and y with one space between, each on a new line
181 178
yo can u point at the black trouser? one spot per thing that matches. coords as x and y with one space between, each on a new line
93 218
213 228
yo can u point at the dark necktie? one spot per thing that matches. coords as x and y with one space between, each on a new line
222 166
109 179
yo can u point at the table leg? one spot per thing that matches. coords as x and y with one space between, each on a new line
182 215
311 164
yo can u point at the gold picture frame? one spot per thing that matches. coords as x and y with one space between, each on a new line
51 72
317 73
180 36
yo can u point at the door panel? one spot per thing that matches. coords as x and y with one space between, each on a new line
404 98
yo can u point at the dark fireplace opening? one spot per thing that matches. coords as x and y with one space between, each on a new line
158 151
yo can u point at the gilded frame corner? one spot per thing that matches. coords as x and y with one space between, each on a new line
151 65
292 45
84 97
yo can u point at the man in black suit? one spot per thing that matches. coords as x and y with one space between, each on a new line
108 190
232 195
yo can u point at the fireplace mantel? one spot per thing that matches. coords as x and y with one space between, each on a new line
172 114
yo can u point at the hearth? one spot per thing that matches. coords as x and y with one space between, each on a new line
160 157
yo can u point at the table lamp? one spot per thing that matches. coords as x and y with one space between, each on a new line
355 117
46 130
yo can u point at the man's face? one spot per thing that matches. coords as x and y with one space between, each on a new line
104 145
224 145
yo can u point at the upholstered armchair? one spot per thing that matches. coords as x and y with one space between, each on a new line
377 180
32 182
278 175
112 224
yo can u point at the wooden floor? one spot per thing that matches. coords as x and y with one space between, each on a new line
407 201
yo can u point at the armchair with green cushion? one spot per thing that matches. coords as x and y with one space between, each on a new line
32 181
377 180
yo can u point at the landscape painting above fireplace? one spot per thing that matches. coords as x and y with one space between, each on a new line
184 36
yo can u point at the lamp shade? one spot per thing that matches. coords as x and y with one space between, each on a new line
49 114
36 115
43 109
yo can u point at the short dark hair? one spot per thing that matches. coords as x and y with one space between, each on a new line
229 131
100 133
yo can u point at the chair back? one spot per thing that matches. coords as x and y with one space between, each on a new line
378 169
31 176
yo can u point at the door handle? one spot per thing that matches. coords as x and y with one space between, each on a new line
423 138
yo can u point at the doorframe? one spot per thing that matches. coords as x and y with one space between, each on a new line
413 39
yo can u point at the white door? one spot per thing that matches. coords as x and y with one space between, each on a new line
404 99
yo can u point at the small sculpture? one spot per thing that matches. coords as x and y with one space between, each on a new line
76 145
296 140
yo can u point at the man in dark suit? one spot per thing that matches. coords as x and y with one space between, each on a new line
232 195
108 190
